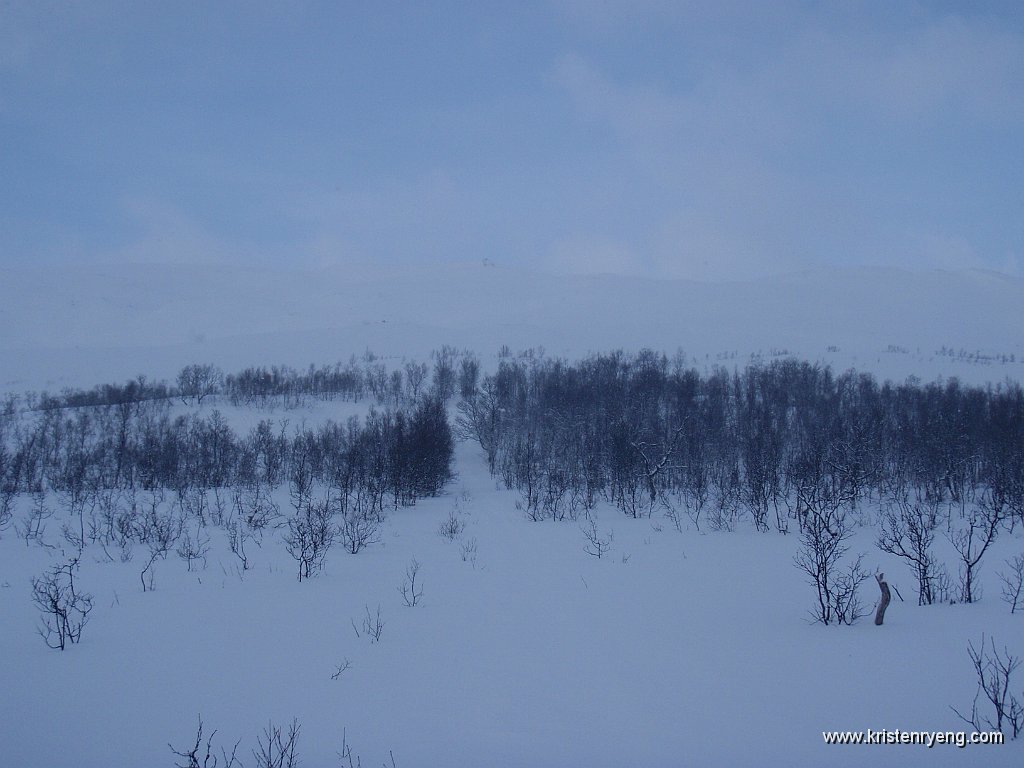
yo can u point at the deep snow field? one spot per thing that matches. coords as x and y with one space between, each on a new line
675 648
81 326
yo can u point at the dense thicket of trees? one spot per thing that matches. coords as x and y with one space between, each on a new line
128 471
142 445
787 445
642 432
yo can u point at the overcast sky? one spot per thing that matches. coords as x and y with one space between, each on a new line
676 139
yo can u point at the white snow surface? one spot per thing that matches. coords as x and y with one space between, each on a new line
674 649
85 325
689 648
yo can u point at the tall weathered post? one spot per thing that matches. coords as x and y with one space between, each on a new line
884 602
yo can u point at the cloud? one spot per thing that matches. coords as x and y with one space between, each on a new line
588 254
673 138
933 249
820 147
954 65
163 233
638 113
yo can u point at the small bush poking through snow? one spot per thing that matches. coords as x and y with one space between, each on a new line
276 747
597 544
411 589
201 755
452 527
373 625
65 610
994 672
467 550
1013 583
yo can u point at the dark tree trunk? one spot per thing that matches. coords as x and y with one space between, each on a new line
884 602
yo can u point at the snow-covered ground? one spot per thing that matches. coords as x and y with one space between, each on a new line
674 649
677 648
80 326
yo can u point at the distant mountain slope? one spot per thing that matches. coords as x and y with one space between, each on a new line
80 326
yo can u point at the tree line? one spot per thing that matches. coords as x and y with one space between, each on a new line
143 445
359 379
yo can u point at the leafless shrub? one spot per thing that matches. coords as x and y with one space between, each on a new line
994 672
238 534
907 531
300 484
159 530
72 537
467 550
597 545
373 625
452 527
194 503
65 610
674 515
125 530
201 754
350 760
33 527
725 510
219 510
824 530
359 528
199 381
411 591
311 533
556 500
254 505
341 669
76 501
113 523
192 549
943 585
972 540
1013 583
848 608
8 493
277 748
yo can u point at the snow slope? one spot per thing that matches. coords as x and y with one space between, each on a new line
79 326
684 648
675 649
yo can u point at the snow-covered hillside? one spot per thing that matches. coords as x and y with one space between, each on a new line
673 649
679 646
79 326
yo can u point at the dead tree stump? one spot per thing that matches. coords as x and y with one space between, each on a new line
884 602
